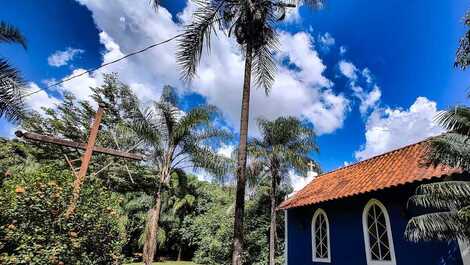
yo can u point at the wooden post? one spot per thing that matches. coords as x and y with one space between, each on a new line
77 184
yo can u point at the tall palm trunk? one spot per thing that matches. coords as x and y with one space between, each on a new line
272 231
153 218
241 164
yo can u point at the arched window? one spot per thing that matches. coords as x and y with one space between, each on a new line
320 237
377 234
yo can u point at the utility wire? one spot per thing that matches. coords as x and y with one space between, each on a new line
105 64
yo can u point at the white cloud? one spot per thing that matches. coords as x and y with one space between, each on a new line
342 50
302 91
389 129
369 100
326 39
299 182
226 150
61 58
348 69
366 73
39 100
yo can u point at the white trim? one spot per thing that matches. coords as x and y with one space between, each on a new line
286 237
465 251
314 219
366 234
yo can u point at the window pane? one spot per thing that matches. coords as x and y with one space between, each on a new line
321 237
378 237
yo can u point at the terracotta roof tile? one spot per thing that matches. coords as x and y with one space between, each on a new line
388 170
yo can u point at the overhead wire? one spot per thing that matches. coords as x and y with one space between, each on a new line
103 65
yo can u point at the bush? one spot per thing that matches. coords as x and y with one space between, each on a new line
34 231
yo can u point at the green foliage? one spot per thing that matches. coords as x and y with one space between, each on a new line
210 227
71 120
33 230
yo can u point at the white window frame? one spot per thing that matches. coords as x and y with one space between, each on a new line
366 234
465 251
314 219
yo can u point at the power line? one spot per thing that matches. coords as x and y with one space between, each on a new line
103 65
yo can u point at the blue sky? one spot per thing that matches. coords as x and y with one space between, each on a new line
367 75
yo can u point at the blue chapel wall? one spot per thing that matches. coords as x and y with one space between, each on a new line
347 237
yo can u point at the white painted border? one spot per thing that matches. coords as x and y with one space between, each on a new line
314 219
366 234
465 251
286 237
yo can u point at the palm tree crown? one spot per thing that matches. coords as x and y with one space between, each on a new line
285 144
252 24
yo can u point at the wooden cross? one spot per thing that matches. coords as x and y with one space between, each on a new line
89 148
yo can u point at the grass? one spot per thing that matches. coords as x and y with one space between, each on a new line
168 263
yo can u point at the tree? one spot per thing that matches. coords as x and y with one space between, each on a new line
175 141
252 23
285 145
12 85
71 120
449 200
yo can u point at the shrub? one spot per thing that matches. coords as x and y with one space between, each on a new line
34 231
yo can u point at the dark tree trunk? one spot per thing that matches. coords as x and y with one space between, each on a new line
153 218
272 231
241 165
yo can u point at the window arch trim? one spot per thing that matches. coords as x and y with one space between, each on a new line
368 206
317 213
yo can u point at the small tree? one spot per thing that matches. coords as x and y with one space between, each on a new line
175 141
285 145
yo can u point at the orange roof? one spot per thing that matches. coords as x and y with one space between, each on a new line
388 170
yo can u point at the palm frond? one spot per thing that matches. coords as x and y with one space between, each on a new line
455 190
196 35
203 157
264 66
456 119
436 226
10 33
435 202
168 116
12 90
195 117
146 127
451 149
285 145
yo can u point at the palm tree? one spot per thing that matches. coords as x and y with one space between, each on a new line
176 141
11 83
448 200
285 145
252 24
